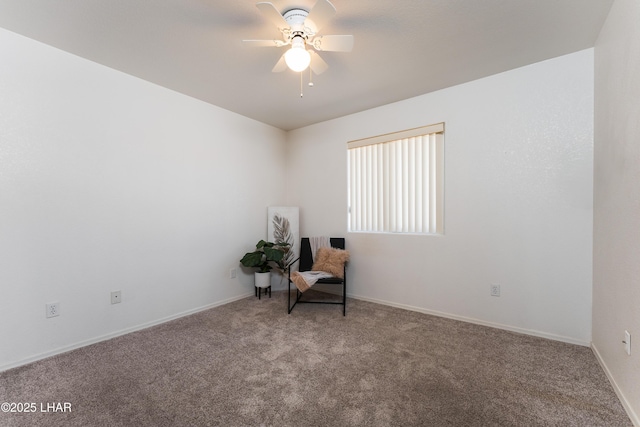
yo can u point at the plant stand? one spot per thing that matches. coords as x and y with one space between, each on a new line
262 281
259 291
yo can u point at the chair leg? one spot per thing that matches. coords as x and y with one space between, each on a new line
344 298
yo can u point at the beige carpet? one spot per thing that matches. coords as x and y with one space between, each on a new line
248 363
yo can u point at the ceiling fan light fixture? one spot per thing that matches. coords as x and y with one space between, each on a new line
299 28
297 58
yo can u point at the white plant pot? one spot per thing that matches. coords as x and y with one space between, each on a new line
263 280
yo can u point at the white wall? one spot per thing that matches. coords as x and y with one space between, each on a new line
616 289
518 200
108 182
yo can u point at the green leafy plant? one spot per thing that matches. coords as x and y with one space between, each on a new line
282 233
265 254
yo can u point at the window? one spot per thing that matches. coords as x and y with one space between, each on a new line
396 182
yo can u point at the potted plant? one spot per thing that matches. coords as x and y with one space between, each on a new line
266 254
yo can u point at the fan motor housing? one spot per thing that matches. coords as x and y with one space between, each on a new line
295 18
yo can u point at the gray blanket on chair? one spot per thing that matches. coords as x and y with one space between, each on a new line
306 279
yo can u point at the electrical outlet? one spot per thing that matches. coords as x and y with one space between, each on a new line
495 290
116 297
53 309
627 342
232 273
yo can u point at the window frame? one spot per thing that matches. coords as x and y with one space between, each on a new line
362 168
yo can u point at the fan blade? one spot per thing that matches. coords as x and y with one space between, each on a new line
317 65
333 43
263 43
281 65
270 12
319 15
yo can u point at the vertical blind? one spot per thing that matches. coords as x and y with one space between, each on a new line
395 181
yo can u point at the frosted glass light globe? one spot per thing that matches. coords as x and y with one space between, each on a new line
297 58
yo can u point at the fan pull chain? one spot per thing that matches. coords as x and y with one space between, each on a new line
301 94
310 77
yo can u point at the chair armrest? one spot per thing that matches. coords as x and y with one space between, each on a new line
289 267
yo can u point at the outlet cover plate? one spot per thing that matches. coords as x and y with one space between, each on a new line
627 342
495 290
53 309
116 297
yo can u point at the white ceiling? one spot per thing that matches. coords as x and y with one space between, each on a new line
403 48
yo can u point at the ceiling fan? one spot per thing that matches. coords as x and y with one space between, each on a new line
300 29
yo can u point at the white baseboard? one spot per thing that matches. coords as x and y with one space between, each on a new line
111 335
533 332
625 403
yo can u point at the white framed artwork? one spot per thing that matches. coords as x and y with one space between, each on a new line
283 226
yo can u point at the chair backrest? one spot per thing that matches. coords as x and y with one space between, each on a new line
306 259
